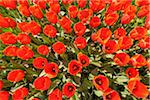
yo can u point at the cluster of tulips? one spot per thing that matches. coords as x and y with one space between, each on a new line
74 49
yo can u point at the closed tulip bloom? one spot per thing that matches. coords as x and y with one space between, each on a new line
85 14
59 48
36 11
81 3
4 95
95 22
35 28
50 31
54 6
42 83
80 42
143 11
145 42
10 51
79 29
24 10
23 38
12 22
16 75
20 93
40 62
66 24
96 5
43 50
8 38
3 22
72 11
55 95
25 53
52 17
141 2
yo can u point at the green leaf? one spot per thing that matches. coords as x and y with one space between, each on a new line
75 97
121 79
98 93
7 29
85 85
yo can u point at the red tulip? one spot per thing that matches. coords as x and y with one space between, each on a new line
50 31
121 59
43 50
125 42
23 38
95 22
111 18
8 38
110 47
96 5
36 11
24 52
79 29
55 95
52 17
51 69
4 95
72 11
138 89
74 67
101 82
59 48
83 59
69 89
42 83
119 32
15 75
20 93
85 14
80 42
137 61
1 84
138 33
10 51
40 62
103 35
132 73
110 94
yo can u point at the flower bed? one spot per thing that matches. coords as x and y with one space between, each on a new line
74 49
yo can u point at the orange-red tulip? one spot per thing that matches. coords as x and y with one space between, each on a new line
138 89
101 82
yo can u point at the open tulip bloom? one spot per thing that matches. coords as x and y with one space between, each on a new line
74 49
